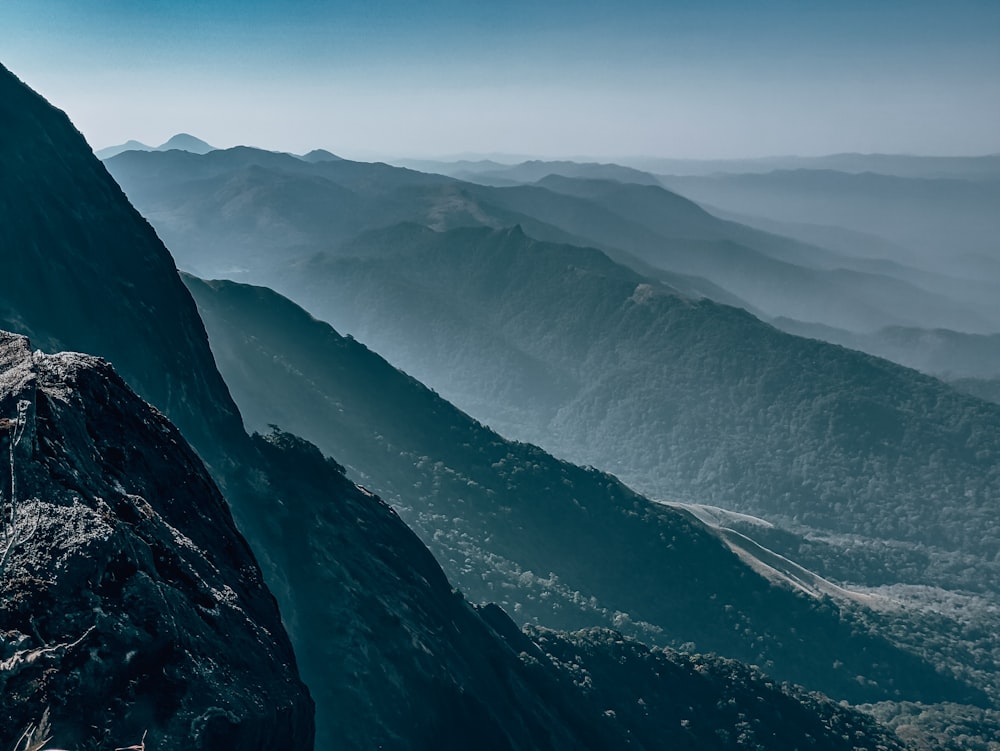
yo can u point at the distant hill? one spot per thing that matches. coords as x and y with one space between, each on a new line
898 165
179 142
235 213
533 171
320 155
947 354
186 142
946 224
983 388
111 151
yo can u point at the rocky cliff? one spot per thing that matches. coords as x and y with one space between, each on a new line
131 602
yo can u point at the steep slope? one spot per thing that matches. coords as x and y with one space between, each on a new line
131 603
684 399
552 543
478 681
760 715
70 243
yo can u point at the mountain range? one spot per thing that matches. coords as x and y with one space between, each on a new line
875 475
240 212
179 142
946 224
392 653
684 399
552 543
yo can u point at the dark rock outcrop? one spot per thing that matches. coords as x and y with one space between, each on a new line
83 271
130 601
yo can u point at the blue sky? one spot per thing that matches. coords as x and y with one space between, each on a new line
562 78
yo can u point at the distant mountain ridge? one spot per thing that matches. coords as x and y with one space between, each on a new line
944 223
180 142
949 355
898 165
275 209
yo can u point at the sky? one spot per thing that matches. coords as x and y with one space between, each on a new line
563 78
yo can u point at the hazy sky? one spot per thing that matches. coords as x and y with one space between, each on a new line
556 78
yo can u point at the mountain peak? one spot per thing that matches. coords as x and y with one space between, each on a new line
321 155
186 142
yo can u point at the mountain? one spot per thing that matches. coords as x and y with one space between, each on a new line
554 544
320 155
242 212
768 270
950 355
681 398
393 654
131 145
945 224
179 142
186 142
84 271
89 272
535 170
897 165
131 603
470 678
616 390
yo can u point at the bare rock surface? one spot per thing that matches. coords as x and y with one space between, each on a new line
130 601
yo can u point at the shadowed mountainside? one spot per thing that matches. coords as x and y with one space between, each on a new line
684 399
553 543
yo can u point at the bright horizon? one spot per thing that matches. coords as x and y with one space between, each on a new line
584 79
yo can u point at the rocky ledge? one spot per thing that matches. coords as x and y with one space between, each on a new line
131 604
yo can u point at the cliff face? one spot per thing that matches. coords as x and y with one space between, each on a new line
83 271
130 601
